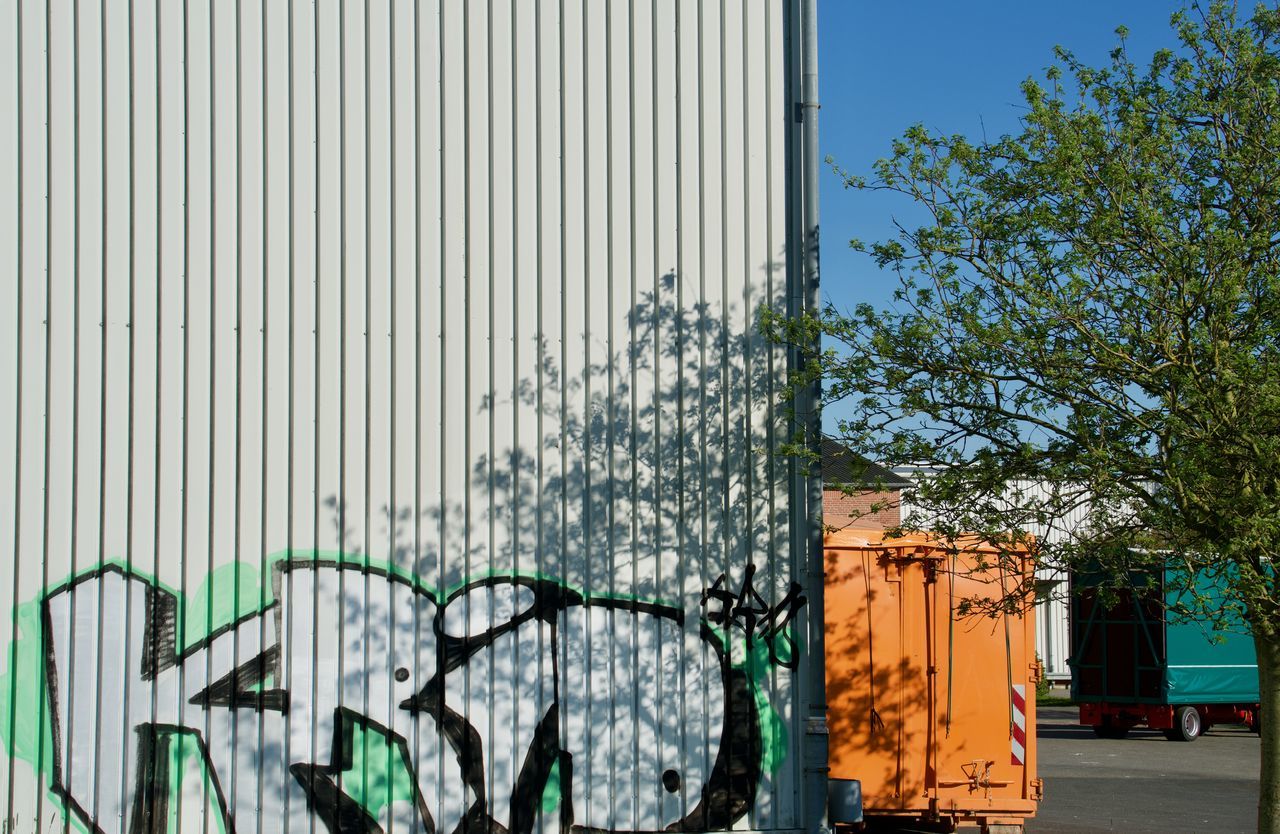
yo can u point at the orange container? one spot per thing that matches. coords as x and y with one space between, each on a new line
933 710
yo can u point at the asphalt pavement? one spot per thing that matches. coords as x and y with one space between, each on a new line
1143 783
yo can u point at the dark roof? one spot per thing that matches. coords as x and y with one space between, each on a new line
841 467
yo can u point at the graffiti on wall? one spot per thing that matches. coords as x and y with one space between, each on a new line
507 705
748 611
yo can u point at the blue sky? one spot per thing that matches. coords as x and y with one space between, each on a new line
954 66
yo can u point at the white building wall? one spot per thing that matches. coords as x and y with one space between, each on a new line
384 416
1053 629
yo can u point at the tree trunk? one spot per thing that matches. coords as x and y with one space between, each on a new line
1268 648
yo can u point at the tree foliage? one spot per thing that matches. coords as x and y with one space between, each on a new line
1091 303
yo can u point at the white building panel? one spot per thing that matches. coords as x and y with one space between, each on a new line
326 327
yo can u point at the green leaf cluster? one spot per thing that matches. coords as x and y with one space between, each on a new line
1088 319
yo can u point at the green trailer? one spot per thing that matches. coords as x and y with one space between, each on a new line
1132 664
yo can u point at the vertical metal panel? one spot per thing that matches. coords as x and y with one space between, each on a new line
1053 636
11 232
386 425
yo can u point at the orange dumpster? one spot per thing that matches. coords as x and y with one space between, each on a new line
931 708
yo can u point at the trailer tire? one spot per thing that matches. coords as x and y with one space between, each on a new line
1255 722
1187 725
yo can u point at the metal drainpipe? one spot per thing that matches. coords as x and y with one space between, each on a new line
816 726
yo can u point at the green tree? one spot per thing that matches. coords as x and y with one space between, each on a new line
1094 303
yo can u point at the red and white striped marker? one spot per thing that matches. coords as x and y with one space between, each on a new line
1018 735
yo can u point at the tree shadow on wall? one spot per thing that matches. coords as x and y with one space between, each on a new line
600 635
640 479
644 469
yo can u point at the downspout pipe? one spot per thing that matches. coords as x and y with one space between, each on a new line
813 417
816 725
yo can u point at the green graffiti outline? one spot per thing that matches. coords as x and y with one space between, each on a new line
385 775
236 590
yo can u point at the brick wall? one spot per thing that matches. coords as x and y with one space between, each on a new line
838 507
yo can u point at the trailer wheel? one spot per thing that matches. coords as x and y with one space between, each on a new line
1187 725
1255 722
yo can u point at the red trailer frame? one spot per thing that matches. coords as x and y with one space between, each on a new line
1180 722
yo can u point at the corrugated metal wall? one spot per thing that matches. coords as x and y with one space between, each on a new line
384 425
1053 628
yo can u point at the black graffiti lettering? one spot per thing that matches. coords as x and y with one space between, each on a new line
774 627
465 741
549 599
322 784
234 690
730 790
544 628
159 650
339 812
152 613
742 609
151 799
534 773
754 617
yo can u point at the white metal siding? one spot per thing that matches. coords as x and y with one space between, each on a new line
1053 628
384 416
